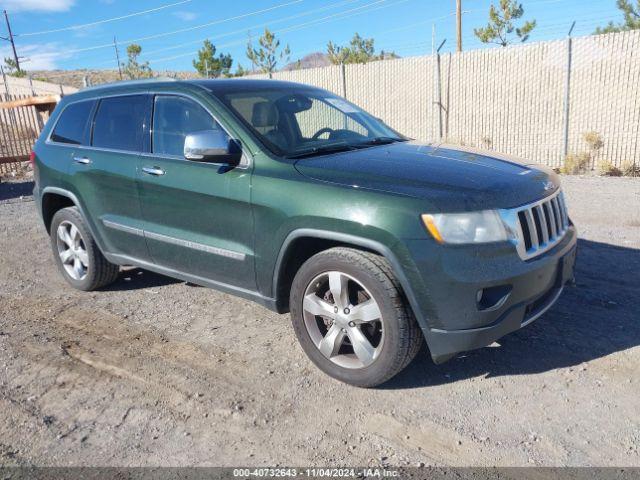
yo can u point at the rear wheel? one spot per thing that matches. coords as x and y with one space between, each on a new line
76 253
351 318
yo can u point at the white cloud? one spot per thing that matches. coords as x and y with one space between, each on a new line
37 56
38 5
186 16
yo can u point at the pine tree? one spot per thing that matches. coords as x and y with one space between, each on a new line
133 69
210 66
269 53
501 26
631 18
360 50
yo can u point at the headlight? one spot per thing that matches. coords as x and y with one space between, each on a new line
471 227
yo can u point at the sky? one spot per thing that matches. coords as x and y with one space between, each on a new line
73 34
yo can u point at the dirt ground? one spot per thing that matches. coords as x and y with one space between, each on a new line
153 371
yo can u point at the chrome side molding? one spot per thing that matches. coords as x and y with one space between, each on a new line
222 252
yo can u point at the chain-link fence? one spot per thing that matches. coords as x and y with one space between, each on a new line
540 101
537 101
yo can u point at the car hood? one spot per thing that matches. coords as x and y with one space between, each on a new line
452 178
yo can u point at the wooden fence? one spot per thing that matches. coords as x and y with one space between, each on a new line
24 108
22 118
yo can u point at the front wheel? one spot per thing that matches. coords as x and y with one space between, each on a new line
351 318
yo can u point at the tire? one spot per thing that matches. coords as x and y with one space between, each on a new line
84 268
391 329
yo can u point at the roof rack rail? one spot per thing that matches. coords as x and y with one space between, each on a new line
131 82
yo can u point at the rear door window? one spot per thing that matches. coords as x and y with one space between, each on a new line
120 123
72 126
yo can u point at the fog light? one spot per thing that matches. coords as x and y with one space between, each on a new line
492 298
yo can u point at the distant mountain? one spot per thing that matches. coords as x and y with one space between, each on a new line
74 78
313 60
319 59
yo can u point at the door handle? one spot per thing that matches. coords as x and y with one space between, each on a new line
153 171
82 160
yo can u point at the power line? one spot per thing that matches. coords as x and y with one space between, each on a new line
342 14
329 18
423 22
580 23
367 8
215 22
394 46
418 46
235 32
158 35
244 30
549 30
107 20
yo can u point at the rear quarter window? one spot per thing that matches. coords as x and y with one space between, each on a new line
120 123
72 126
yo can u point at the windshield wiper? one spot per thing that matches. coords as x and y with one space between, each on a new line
322 149
344 147
379 141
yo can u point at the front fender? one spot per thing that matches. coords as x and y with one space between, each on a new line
403 267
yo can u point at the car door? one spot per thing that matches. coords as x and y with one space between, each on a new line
197 216
104 173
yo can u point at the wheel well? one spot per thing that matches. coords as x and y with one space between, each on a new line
51 203
299 251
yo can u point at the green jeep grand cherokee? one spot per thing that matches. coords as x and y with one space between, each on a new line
295 198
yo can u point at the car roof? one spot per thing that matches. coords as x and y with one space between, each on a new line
244 84
215 86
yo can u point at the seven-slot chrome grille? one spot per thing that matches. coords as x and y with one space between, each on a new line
541 225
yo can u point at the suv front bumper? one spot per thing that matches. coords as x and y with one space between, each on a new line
456 322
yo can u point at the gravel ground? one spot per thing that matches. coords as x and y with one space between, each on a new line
153 371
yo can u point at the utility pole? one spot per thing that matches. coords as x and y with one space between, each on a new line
438 101
253 64
433 39
459 23
206 68
10 40
567 87
115 45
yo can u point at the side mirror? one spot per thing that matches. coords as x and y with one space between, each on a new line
212 146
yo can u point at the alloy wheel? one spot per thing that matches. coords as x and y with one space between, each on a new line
343 320
72 250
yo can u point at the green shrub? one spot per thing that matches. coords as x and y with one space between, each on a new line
608 169
629 168
487 143
576 163
594 140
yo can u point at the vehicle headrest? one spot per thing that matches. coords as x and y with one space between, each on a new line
265 114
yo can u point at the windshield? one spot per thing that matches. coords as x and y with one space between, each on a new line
298 122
